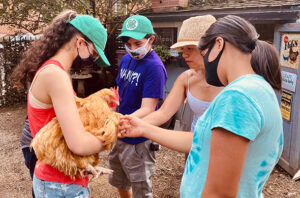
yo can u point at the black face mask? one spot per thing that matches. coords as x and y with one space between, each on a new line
211 74
80 63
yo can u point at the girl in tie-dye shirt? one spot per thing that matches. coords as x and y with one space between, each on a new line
239 139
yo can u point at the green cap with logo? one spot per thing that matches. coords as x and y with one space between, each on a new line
137 27
94 30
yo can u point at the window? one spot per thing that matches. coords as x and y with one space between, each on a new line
166 36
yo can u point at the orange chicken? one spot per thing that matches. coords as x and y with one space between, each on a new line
98 119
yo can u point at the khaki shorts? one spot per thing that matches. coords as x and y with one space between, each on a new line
133 165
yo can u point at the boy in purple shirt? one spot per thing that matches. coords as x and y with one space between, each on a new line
141 80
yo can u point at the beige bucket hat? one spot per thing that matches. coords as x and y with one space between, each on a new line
192 30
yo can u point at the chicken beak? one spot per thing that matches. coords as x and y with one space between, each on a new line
116 102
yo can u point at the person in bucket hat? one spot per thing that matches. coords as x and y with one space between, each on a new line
70 40
192 30
141 80
239 139
191 84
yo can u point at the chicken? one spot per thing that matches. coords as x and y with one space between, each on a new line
98 119
293 55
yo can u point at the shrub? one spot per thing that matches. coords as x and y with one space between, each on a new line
163 52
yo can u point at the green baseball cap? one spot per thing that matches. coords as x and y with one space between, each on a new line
94 30
137 27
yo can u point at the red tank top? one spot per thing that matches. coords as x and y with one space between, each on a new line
38 118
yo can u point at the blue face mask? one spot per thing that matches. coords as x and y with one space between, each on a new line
211 68
138 53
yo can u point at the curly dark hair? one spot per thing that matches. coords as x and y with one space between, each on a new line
55 35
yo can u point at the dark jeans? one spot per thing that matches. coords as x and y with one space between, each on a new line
30 160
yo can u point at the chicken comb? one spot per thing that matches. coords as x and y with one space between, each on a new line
112 105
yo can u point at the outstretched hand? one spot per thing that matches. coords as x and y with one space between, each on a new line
131 126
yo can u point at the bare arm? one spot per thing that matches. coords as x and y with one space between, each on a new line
226 161
176 140
59 89
148 106
171 104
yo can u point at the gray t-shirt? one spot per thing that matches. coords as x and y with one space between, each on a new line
26 135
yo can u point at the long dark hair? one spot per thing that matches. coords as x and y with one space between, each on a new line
265 62
243 35
55 35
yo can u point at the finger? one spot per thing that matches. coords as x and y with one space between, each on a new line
122 124
122 134
126 117
122 116
123 127
122 120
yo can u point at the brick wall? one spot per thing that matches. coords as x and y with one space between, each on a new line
159 5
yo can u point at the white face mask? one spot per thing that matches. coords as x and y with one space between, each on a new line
138 53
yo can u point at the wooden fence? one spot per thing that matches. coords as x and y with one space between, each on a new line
11 50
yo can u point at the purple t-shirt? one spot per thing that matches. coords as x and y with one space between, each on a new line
145 78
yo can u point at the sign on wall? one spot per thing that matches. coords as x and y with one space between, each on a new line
289 81
286 105
289 50
174 53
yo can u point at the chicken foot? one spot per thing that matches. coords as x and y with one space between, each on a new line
97 171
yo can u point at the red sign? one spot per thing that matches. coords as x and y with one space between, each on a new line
286 39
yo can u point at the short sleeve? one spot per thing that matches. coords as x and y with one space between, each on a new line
237 113
118 77
154 82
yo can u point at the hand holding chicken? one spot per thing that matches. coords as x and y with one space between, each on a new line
98 119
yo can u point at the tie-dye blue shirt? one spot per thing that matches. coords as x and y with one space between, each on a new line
249 108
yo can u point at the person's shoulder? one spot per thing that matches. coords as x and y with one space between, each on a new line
251 84
153 58
124 61
156 68
251 88
126 57
184 75
234 100
51 69
51 74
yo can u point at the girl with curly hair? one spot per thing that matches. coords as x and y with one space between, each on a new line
70 40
